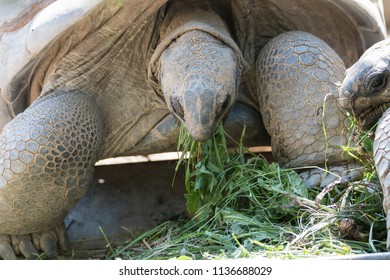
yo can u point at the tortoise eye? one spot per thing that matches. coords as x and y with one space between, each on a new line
377 82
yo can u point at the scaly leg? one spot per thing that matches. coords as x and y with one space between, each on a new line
47 157
298 81
382 164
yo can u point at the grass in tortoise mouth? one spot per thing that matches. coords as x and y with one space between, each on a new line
371 116
240 205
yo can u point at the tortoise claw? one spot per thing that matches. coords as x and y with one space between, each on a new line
47 243
30 245
22 244
6 250
334 175
63 239
341 181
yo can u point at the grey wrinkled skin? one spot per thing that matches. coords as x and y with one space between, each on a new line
107 85
365 92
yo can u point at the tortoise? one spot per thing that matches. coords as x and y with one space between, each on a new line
365 94
86 80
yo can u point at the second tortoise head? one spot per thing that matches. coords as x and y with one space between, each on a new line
365 90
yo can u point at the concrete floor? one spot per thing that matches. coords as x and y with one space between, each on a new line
125 199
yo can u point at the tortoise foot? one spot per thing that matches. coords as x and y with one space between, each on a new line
325 178
29 245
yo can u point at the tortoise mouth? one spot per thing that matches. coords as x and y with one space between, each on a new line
368 118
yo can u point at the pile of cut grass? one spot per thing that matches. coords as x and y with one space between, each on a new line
240 205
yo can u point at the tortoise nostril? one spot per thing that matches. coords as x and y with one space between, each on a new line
345 98
177 108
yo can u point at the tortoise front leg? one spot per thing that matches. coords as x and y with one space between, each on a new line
298 81
47 157
382 164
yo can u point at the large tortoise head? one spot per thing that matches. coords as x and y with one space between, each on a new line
199 77
197 68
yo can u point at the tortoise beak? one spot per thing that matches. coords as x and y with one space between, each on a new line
201 135
200 117
200 109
